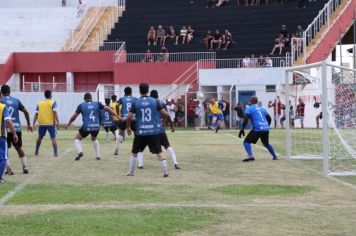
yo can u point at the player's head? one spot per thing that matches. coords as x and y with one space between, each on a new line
212 100
154 94
113 98
128 91
5 90
88 97
107 101
253 100
144 89
48 94
300 100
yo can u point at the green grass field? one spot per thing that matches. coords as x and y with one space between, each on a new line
213 194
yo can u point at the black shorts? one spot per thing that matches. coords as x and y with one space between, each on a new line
253 137
10 140
320 116
152 141
84 134
122 125
111 128
164 140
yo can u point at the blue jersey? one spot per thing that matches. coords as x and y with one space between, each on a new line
258 118
148 122
14 105
91 112
159 116
106 119
126 103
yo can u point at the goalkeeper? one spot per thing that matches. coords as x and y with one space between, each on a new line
261 121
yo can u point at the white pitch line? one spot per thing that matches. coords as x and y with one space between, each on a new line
26 182
308 168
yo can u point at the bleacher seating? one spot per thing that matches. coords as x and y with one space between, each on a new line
254 28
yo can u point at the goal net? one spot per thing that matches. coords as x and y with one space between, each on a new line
322 120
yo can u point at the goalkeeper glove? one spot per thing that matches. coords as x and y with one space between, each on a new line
241 133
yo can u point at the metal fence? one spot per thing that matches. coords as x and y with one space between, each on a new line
168 57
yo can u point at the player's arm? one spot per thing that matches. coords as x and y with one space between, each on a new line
27 117
244 124
54 108
170 122
269 119
111 111
128 123
163 112
74 116
9 124
35 118
224 106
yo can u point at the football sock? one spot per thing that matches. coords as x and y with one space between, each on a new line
132 164
213 124
248 149
164 167
107 136
172 155
55 149
271 150
37 147
140 158
78 145
118 139
7 165
23 161
96 147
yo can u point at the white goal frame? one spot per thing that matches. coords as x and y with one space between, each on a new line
325 125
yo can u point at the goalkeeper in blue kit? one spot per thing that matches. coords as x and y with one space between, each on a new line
261 121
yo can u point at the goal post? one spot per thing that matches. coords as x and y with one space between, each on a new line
324 127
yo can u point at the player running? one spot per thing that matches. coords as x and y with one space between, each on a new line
107 121
91 123
261 121
15 106
47 116
148 128
5 122
217 108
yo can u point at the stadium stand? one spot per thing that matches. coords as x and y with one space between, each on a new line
254 28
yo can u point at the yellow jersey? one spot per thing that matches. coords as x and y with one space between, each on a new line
45 112
214 108
4 115
113 106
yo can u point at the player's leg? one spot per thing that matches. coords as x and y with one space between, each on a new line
2 168
165 143
118 136
95 143
154 143
302 122
317 121
41 133
138 145
78 142
7 162
52 132
252 137
107 134
3 157
213 122
140 160
219 119
21 153
264 135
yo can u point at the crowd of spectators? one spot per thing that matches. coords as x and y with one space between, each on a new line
218 40
284 40
253 62
159 37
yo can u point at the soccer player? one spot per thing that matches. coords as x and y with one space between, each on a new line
300 112
15 106
47 116
108 123
217 108
164 138
261 121
148 128
277 110
320 115
91 123
5 122
115 107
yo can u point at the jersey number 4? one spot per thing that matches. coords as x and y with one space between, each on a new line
92 116
146 114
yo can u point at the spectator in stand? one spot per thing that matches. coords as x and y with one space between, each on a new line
277 110
210 3
227 39
253 61
207 39
298 36
148 56
279 44
220 2
268 62
160 34
246 62
171 34
182 35
217 38
300 112
164 55
151 36
285 34
261 61
190 34
64 3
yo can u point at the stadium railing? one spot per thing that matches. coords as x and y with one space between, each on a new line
167 57
321 24
38 86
